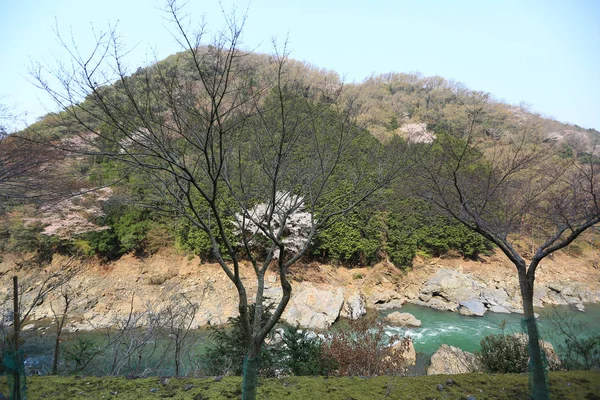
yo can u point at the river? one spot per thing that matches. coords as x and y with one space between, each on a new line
445 327
438 327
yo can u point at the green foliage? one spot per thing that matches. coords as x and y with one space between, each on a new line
354 239
28 238
581 348
581 353
225 355
129 230
302 354
79 353
504 354
190 238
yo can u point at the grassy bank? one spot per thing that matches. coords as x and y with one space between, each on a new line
563 385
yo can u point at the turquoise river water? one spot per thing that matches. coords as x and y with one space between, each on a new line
438 327
445 327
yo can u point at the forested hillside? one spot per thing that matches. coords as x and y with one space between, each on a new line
393 224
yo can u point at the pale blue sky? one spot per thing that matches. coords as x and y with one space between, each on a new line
544 53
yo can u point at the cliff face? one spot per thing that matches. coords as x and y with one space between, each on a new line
103 294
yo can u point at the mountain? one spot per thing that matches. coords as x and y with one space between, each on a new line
411 106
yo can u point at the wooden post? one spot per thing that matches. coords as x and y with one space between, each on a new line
16 323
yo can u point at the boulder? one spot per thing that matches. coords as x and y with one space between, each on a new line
409 354
354 306
568 293
551 356
452 360
403 319
440 304
499 309
495 297
313 307
472 307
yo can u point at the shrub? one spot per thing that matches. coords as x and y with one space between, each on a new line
302 353
501 353
225 355
364 349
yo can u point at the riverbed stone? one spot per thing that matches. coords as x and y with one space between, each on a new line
472 307
354 306
403 319
495 297
499 310
451 360
408 353
439 303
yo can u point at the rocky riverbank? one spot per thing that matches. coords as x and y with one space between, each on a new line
104 293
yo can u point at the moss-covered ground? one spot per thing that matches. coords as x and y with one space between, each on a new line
563 385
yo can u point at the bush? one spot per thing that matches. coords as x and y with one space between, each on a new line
302 353
225 355
504 354
364 349
130 229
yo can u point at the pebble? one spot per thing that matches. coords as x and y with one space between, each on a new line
440 387
218 378
450 381
187 387
153 390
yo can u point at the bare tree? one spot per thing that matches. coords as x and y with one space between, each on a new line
176 320
59 320
30 169
235 143
500 187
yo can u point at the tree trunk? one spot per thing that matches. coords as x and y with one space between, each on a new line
177 355
251 368
56 354
538 381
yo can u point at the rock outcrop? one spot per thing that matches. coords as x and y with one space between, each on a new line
447 288
452 290
452 360
403 319
355 306
408 353
314 307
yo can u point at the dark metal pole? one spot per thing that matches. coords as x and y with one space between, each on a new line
17 317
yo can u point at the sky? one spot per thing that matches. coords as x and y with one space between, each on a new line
542 53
